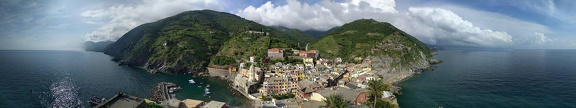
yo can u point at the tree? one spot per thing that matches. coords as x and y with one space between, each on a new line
380 103
222 60
335 101
284 96
266 98
375 88
152 105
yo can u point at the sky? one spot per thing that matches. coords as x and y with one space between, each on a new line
519 24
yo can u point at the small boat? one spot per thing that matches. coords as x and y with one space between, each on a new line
207 85
206 92
191 81
177 88
95 100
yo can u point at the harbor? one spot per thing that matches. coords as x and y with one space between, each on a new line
74 88
163 95
195 91
163 92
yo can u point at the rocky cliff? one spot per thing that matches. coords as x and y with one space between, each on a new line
388 50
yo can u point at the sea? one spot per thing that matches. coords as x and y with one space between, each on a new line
466 79
495 79
67 79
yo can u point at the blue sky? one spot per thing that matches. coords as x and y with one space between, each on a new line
66 24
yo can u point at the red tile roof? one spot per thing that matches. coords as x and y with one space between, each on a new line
275 50
312 51
302 53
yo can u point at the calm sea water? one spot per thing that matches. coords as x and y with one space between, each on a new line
62 79
512 79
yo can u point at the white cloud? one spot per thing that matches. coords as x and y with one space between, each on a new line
561 10
496 21
429 24
320 16
436 25
119 19
532 39
545 7
450 29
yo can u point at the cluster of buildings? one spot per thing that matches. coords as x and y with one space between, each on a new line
122 100
278 53
191 103
258 32
313 80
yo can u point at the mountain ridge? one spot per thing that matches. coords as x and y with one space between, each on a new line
190 41
319 33
380 44
187 42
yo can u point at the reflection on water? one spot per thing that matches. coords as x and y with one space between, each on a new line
63 94
63 79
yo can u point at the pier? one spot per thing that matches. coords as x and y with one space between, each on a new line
122 100
162 92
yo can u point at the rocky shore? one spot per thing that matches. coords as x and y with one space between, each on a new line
159 93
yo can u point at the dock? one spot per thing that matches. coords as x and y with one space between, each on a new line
122 100
162 92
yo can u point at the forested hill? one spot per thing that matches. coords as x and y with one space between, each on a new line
319 33
189 41
367 38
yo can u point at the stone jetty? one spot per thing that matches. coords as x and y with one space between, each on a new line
160 92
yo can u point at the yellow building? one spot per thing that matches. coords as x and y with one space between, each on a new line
308 61
358 58
346 76
301 75
367 69
232 69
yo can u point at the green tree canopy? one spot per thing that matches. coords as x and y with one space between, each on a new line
375 90
335 101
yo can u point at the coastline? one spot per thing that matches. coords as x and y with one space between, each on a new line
227 77
396 76
400 76
411 73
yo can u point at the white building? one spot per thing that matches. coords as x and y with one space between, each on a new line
387 94
252 58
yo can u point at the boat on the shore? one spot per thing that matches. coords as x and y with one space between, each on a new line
206 91
191 81
95 100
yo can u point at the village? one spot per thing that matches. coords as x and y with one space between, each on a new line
284 78
305 83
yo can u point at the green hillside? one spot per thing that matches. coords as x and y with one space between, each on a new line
367 37
187 42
